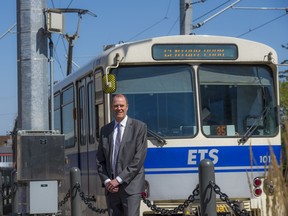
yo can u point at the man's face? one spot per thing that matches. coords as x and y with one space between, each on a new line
120 108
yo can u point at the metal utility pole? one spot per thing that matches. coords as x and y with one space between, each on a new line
185 17
32 66
32 69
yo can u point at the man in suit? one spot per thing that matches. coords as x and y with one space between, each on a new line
120 160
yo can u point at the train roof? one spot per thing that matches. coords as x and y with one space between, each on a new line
186 39
244 45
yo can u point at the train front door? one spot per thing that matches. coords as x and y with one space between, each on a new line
86 131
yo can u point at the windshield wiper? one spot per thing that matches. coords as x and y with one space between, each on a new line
157 137
254 126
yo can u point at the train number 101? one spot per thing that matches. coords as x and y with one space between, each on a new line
266 159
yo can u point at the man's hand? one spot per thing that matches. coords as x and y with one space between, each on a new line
112 186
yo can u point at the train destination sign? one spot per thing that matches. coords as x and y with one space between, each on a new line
194 51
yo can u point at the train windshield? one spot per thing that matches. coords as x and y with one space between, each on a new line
161 96
237 100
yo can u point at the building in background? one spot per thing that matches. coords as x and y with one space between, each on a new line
6 153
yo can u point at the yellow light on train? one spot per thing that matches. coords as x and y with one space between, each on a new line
109 83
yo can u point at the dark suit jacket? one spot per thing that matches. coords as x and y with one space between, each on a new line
132 154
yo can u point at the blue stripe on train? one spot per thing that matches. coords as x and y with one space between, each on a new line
221 156
165 160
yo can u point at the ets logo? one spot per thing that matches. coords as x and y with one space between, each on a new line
196 155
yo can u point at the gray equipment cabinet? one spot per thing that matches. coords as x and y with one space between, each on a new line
40 155
40 166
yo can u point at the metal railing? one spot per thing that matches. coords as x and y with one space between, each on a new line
206 190
7 191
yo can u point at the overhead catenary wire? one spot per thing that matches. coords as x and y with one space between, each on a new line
52 2
69 37
259 8
242 8
176 21
260 26
56 57
70 3
210 11
8 31
200 1
264 24
148 28
168 8
154 24
8 98
213 16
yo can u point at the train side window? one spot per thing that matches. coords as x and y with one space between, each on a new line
91 120
81 117
57 109
68 123
99 108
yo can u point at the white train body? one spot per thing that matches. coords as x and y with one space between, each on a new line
174 84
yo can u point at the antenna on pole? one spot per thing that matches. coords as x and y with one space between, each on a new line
56 24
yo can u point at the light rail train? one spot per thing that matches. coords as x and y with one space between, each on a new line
202 97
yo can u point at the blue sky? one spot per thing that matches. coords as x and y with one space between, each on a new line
130 20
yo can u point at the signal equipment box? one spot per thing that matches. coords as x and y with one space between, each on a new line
40 155
43 197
